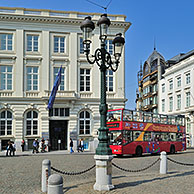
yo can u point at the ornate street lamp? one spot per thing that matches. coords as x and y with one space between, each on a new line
103 59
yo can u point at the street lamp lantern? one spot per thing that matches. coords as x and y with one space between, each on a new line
118 43
103 59
103 23
87 26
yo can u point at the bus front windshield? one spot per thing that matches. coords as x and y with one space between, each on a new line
115 137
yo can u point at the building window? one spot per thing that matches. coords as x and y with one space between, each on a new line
84 123
146 101
81 46
6 123
154 66
187 99
179 101
109 46
170 103
155 88
6 77
62 84
170 85
85 80
163 88
178 82
32 78
59 44
59 112
188 80
163 105
155 100
188 126
109 80
31 123
6 42
32 43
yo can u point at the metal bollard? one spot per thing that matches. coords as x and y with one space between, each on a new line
163 163
46 171
55 184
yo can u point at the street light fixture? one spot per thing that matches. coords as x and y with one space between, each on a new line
103 59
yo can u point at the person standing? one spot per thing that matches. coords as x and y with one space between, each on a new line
71 146
34 145
22 144
13 148
82 145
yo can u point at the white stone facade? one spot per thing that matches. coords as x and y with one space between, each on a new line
176 92
33 44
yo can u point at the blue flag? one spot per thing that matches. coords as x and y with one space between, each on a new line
54 90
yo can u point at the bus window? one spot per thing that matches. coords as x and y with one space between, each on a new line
163 119
148 117
171 120
127 136
156 118
136 134
172 136
140 116
135 116
114 115
179 137
127 115
116 138
165 136
179 120
147 136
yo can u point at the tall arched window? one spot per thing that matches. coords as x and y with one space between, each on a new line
146 69
154 66
84 123
6 123
31 123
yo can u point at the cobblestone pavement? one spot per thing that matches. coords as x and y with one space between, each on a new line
22 174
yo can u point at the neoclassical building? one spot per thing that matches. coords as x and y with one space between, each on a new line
34 44
176 90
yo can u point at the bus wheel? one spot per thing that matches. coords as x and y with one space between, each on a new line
138 151
172 149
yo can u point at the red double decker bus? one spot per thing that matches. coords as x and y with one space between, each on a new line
136 132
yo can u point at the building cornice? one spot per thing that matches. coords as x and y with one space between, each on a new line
55 20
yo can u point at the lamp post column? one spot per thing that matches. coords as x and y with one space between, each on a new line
103 155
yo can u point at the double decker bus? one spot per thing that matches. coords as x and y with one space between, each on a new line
136 132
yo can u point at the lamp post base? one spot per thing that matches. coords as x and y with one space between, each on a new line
103 173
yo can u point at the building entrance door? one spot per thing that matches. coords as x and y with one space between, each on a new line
58 134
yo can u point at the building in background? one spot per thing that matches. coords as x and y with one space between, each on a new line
176 90
148 77
34 44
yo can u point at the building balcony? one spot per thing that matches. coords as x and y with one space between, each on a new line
60 94
7 93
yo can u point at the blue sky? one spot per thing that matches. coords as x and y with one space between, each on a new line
170 22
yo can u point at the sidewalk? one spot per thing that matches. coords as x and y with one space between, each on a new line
57 152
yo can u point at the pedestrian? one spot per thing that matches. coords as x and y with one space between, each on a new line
46 145
79 146
71 146
22 144
9 148
82 145
34 146
13 148
37 146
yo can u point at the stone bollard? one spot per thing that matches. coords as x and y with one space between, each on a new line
163 163
46 171
55 184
